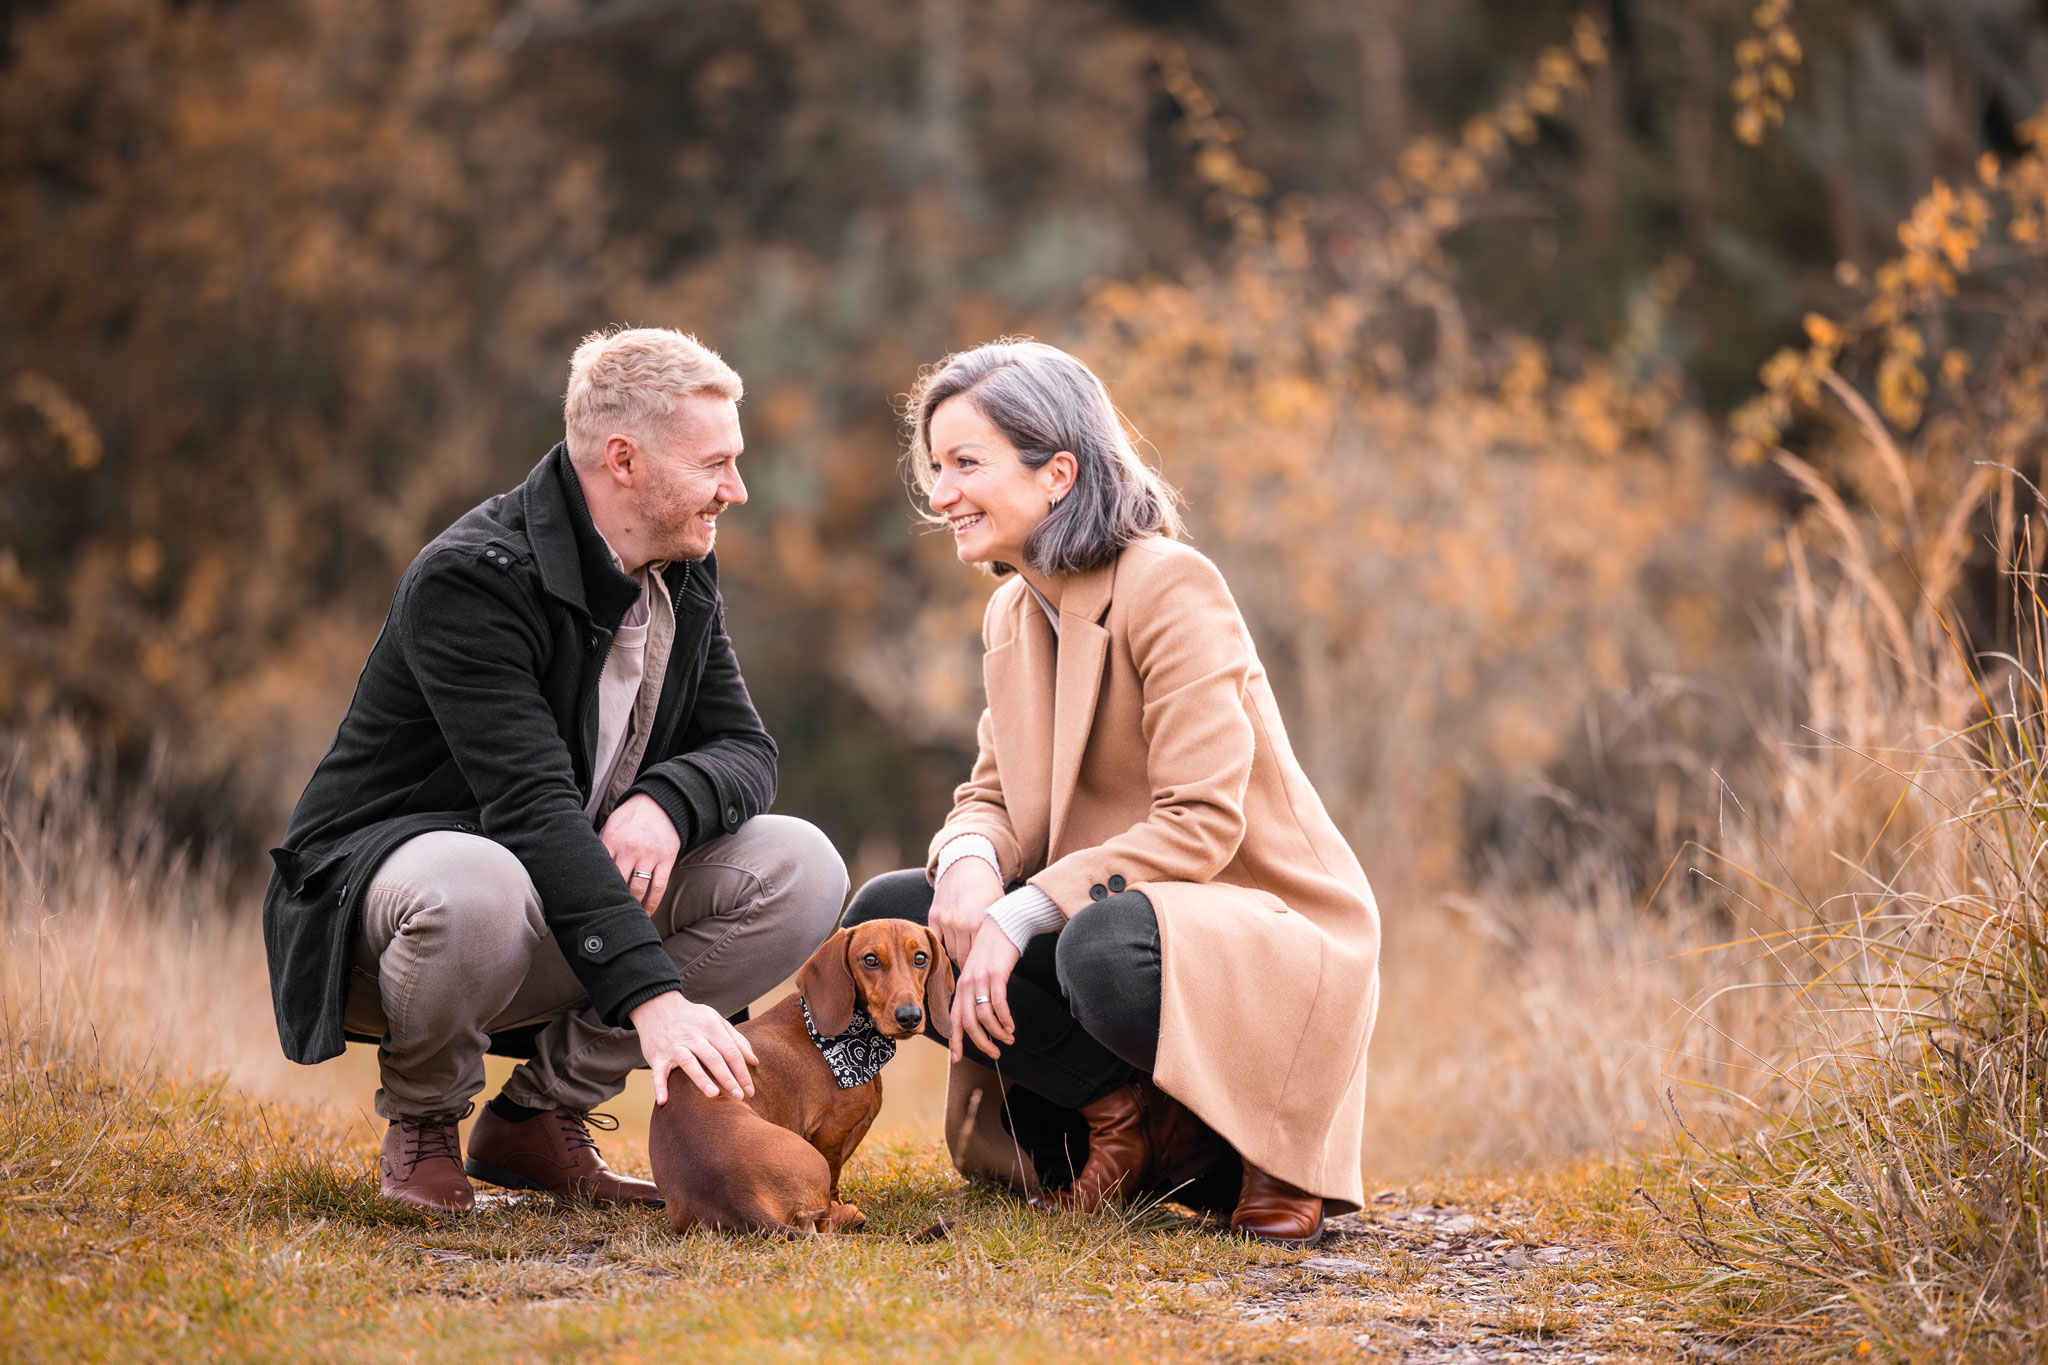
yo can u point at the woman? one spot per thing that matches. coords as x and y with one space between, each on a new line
1160 932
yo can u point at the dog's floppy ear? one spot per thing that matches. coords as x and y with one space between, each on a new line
938 988
826 984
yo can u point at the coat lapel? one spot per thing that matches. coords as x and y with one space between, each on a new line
1019 678
1084 649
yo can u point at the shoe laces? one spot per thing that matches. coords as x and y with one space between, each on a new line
434 1135
579 1122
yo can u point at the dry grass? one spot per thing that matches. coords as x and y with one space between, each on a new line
1888 1187
1855 1156
168 1186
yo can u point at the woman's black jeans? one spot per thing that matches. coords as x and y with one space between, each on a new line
1085 1000
1086 1005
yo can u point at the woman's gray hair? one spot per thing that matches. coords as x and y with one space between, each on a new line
1045 401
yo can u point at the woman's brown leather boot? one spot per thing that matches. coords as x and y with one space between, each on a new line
1271 1210
1137 1134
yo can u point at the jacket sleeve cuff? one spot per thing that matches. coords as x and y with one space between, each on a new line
966 846
686 797
1008 859
635 999
631 979
1026 913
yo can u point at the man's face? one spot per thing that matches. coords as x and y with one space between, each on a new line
693 479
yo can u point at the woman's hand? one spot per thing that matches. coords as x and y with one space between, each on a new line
985 977
960 904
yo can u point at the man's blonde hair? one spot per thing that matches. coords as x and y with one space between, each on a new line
628 381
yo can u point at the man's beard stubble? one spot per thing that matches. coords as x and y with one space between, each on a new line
671 507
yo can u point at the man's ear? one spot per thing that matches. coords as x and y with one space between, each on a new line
938 988
620 457
826 984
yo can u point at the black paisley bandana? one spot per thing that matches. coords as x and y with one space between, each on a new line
856 1056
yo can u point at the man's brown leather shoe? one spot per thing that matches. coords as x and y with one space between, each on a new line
1271 1210
421 1164
552 1152
1140 1140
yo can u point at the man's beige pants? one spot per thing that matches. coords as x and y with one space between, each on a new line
454 946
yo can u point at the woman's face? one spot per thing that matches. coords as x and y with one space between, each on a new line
982 487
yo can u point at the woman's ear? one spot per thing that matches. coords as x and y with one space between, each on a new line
1058 474
826 984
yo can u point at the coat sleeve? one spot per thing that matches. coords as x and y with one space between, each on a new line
723 772
476 649
978 805
978 809
1194 661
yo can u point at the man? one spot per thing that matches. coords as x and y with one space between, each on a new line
542 822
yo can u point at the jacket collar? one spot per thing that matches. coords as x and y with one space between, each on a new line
575 563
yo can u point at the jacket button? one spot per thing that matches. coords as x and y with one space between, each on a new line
1098 892
1116 885
593 944
591 644
732 815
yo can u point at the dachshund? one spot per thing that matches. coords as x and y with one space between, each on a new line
771 1163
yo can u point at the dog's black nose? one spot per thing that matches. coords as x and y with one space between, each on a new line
909 1016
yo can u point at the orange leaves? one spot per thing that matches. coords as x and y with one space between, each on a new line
1944 238
1764 62
1901 386
65 417
1945 229
1824 335
1435 179
1596 414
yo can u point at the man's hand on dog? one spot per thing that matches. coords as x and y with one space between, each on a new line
644 844
985 974
676 1033
960 904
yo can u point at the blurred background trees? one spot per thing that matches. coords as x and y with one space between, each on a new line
1436 311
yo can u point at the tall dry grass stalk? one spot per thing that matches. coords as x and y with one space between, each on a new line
1891 1185
1514 1031
117 949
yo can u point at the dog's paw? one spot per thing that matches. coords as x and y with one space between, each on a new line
845 1218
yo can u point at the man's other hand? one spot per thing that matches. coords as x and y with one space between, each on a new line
644 845
677 1033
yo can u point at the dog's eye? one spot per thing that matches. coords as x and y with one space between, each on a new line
872 961
920 959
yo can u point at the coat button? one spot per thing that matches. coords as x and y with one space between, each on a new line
1116 885
732 815
1098 892
591 644
593 944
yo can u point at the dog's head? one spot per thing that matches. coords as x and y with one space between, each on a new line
894 968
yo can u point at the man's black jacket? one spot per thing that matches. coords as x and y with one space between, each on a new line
477 711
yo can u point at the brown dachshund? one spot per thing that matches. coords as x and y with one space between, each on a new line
772 1162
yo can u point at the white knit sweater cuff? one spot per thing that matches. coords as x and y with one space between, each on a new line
1026 913
967 846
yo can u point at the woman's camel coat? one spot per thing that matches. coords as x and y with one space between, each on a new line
1142 748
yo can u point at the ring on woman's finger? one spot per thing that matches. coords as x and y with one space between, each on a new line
981 1000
